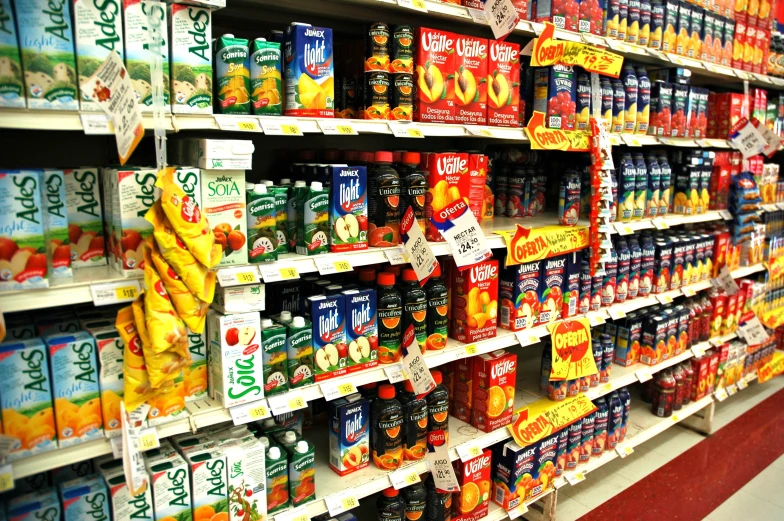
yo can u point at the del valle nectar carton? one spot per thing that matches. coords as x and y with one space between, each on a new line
309 71
85 217
471 80
348 209
475 302
445 174
493 390
434 101
473 476
503 84
235 358
349 434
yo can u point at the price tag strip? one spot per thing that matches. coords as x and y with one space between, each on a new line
396 257
337 127
281 128
276 274
616 314
698 350
332 389
626 450
575 477
407 130
421 256
115 292
249 412
664 298
96 124
721 394
457 225
469 450
417 5
238 123
6 478
742 384
395 373
643 375
404 477
330 266
295 514
341 502
517 511
287 402
239 276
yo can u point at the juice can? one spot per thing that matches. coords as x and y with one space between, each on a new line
402 57
377 36
471 88
435 97
309 71
386 437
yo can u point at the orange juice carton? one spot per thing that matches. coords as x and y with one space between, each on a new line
654 339
470 80
519 294
309 71
473 476
245 461
135 189
41 504
434 101
58 251
475 302
223 203
463 389
446 172
544 465
503 84
26 397
171 488
84 498
349 434
110 377
236 365
191 59
209 482
77 401
493 390
23 263
126 507
514 473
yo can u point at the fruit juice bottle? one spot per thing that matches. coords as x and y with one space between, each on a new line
438 409
587 435
627 184
677 402
657 24
384 190
618 108
596 291
437 320
414 307
612 20
415 422
415 501
390 506
631 91
645 23
623 19
390 313
601 424
386 436
653 196
615 420
413 187
640 187
663 395
598 355
439 503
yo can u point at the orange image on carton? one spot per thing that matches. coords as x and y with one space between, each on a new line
473 476
493 390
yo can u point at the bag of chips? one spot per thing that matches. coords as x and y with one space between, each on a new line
188 221
164 325
162 368
136 381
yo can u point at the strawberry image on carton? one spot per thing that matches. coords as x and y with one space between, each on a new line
503 84
446 173
471 80
434 101
473 476
475 302
493 390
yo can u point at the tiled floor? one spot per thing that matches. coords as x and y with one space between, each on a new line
757 496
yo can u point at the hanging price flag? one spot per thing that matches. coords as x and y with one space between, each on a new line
502 17
543 138
571 350
459 228
421 256
415 364
526 244
544 417
747 139
548 51
440 463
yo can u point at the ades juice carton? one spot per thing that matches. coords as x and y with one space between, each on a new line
434 101
473 476
503 89
493 390
309 71
470 80
475 301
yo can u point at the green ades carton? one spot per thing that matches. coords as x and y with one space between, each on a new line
12 91
84 498
98 30
209 483
139 17
191 36
171 487
48 60
58 251
85 217
126 507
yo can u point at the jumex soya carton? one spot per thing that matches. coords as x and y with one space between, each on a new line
26 395
47 42
77 401
84 498
126 507
85 217
98 29
23 261
329 335
38 505
309 71
209 483
247 478
133 194
138 18
191 58
12 89
235 358
58 251
171 487
110 378
223 203
348 209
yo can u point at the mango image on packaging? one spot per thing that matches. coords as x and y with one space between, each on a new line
431 82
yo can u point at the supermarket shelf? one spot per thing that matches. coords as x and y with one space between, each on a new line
748 270
665 222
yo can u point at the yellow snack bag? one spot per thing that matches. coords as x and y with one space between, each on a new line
136 382
162 368
188 221
163 324
191 310
196 277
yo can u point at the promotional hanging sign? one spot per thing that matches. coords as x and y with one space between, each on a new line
549 51
773 368
527 244
543 138
544 417
571 350
746 138
421 256
459 228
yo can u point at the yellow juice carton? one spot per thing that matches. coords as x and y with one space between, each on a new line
58 251
23 263
77 401
85 216
309 71
126 507
191 59
223 203
110 378
26 397
236 358
136 194
209 483
35 506
247 480
171 488
84 498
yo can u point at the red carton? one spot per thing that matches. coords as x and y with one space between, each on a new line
503 89
473 185
434 101
463 387
493 390
448 181
473 476
475 302
471 80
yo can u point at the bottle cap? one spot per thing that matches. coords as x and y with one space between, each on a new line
350 155
285 181
302 446
437 378
269 422
316 185
290 437
367 274
266 182
386 391
366 157
260 189
386 279
300 184
331 155
264 441
408 386
249 187
437 271
411 158
390 492
274 452
266 322
285 316
298 322
383 157
397 156
307 155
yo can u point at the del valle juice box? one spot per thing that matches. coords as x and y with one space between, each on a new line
329 335
85 217
349 436
470 80
435 94
474 302
503 89
361 329
348 210
493 390
309 71
77 402
473 499
236 360
26 396
23 262
445 173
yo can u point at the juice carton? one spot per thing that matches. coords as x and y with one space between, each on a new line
654 339
23 262
329 335
519 294
312 219
262 233
493 390
503 89
42 504
126 507
171 488
209 482
12 85
474 185
299 349
348 209
544 466
232 74
138 48
110 378
463 389
191 59
27 398
514 471
277 469
98 29
274 357
266 83
195 377
223 202
552 279
56 224
361 329
247 480
555 94
309 71
302 473
47 42
475 302
435 94
237 362
136 195
77 401
473 476
470 80
446 172
84 498
349 434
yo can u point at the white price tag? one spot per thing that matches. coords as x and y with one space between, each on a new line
404 477
780 206
772 141
395 373
517 511
337 127
615 313
238 123
753 332
742 384
419 253
469 450
115 292
664 298
341 502
457 225
623 229
502 17
6 444
295 514
333 389
417 5
6 478
643 375
726 215
478 16
287 402
626 450
405 130
96 124
721 394
442 470
147 438
524 338
575 477
276 274
747 139
281 128
331 266
725 281
479 131
731 389
660 224
688 291
631 140
249 412
396 257
415 364
595 319
239 276
698 350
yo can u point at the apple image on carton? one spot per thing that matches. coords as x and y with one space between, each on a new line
359 349
232 336
246 335
327 357
347 227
